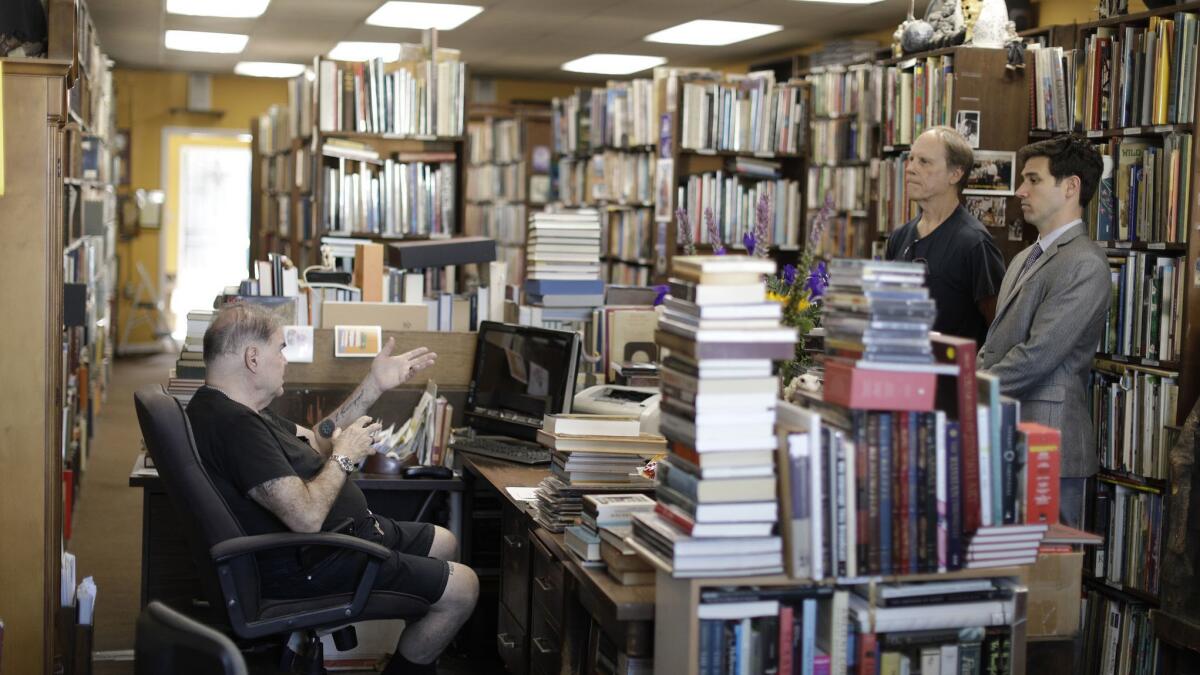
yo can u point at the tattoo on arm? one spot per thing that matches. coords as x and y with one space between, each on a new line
351 409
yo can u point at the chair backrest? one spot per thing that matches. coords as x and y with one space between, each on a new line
205 517
169 642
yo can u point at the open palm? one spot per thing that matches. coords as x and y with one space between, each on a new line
390 371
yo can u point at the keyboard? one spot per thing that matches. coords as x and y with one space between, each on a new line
500 447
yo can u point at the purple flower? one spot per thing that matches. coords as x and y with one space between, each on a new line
789 274
714 235
662 290
762 225
686 240
749 242
818 280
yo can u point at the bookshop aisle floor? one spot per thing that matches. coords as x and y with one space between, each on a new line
107 537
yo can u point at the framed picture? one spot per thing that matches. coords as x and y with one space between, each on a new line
1016 230
299 340
664 189
994 173
357 341
967 123
989 210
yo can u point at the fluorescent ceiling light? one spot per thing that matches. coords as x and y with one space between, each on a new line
422 15
712 33
234 9
268 69
213 43
844 2
365 51
612 64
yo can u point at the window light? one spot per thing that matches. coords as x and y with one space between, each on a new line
612 64
268 69
422 15
712 33
198 41
234 9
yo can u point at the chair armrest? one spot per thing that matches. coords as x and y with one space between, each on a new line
232 548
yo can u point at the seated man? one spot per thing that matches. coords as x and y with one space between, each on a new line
277 476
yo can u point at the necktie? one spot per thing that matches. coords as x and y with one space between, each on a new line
1033 256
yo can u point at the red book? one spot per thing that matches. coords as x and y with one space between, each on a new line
900 559
868 661
961 352
1041 472
868 389
787 616
676 517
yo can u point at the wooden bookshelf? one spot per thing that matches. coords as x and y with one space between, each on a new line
507 176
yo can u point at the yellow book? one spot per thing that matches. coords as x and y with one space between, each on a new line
1162 74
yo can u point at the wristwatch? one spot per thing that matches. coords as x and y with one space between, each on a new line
344 462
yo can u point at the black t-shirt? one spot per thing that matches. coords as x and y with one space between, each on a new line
964 267
242 449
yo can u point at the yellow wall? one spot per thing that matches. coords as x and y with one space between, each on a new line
144 102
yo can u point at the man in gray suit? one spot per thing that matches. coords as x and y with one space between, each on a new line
1051 309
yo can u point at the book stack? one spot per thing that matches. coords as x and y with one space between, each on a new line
189 372
1005 545
877 312
564 246
590 454
602 531
716 511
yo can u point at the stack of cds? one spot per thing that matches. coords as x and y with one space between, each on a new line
878 311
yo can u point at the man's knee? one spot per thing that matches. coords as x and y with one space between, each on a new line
462 590
445 544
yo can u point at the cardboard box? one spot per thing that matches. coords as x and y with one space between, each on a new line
390 316
368 271
1053 583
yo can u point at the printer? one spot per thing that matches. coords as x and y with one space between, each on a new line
615 399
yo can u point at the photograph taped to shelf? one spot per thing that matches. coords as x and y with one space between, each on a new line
994 173
299 340
541 159
357 341
989 210
664 189
664 136
1016 230
967 122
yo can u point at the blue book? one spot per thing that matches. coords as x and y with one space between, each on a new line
564 287
954 500
911 517
809 648
885 493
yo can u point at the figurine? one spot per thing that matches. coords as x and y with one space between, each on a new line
946 18
992 27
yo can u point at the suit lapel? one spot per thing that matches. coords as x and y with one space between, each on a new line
1019 262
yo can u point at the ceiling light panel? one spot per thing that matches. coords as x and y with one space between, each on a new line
365 51
712 33
199 41
612 64
233 9
268 69
422 15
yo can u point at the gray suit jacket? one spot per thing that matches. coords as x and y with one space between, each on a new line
1047 328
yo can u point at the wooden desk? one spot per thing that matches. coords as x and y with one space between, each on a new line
553 615
169 575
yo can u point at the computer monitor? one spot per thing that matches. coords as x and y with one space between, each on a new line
520 375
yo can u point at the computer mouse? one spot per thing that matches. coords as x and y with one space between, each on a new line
428 472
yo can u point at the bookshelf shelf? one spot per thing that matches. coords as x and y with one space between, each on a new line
1157 247
1147 130
1116 361
421 141
1119 591
688 152
1138 16
1133 481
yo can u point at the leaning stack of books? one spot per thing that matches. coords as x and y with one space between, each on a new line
606 520
590 454
189 372
716 511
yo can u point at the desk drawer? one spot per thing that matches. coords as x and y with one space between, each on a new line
514 554
511 643
547 586
545 644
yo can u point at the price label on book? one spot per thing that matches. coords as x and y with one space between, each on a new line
1164 128
1124 244
1132 131
1095 133
1157 246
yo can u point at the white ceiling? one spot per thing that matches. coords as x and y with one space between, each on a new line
523 38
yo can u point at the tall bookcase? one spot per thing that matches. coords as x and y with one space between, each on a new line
508 176
1144 379
368 150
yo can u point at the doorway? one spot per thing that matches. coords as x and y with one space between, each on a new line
206 238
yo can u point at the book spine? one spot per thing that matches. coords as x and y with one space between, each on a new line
868 654
900 503
873 492
885 484
786 645
1008 476
956 500
910 479
862 515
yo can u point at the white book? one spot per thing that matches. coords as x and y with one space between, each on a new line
737 610
791 416
949 615
942 489
984 438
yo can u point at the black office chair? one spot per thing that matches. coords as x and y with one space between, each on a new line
169 642
224 555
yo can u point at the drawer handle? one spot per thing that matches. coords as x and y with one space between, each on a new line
542 584
505 641
537 643
514 542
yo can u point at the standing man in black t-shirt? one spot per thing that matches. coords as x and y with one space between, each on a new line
965 267
277 476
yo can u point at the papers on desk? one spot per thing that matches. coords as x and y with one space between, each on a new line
87 601
523 494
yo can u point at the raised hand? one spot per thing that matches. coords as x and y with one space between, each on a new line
355 440
388 372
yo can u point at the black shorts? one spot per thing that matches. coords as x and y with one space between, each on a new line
409 570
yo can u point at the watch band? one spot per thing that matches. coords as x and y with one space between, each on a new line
345 463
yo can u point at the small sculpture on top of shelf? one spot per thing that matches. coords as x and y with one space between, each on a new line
946 18
992 28
912 35
970 10
1111 8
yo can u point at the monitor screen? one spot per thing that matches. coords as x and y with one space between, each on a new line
521 374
